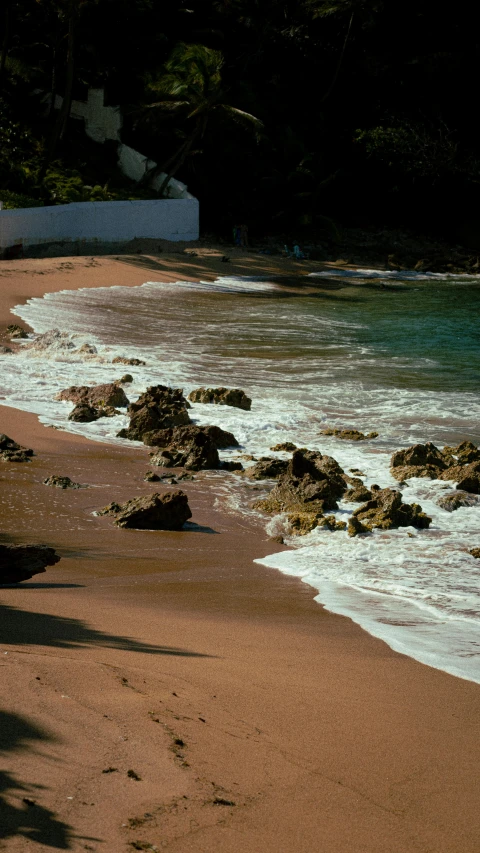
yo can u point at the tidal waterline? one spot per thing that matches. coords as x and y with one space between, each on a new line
399 357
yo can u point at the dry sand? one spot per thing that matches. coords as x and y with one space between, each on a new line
160 691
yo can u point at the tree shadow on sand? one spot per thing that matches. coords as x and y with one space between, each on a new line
22 627
20 814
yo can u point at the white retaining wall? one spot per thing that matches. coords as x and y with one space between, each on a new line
105 221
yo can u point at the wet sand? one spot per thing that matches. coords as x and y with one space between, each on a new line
162 691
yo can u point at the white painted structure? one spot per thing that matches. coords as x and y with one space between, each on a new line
100 221
135 166
101 122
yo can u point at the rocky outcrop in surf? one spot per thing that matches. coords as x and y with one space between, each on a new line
158 408
133 362
386 511
192 447
96 396
15 332
169 511
420 460
222 396
10 451
349 434
61 482
454 500
167 437
20 562
84 413
311 484
267 469
460 464
288 446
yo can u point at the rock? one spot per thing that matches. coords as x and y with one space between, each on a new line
151 477
470 479
10 451
169 511
5 350
195 453
454 500
385 510
133 362
350 434
16 331
302 523
167 437
61 482
20 562
127 377
357 472
465 453
475 552
157 409
54 339
222 396
420 460
267 469
357 494
311 483
85 413
230 465
285 445
355 527
99 396
87 349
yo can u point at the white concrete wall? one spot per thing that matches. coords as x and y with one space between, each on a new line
105 221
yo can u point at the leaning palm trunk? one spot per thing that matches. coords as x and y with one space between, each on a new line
177 162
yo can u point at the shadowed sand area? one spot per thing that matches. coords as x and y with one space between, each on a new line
162 691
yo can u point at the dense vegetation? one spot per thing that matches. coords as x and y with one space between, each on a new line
287 114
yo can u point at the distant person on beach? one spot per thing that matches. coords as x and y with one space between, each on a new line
244 235
237 235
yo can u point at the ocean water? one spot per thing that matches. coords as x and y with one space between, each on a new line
398 353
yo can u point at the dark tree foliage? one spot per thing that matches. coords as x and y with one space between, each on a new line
361 111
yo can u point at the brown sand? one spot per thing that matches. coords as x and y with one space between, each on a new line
254 719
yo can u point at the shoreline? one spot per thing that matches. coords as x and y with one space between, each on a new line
316 731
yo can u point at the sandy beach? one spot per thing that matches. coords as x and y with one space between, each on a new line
161 691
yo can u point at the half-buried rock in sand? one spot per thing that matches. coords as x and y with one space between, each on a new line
169 511
10 451
20 562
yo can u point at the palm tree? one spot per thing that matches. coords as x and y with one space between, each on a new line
191 88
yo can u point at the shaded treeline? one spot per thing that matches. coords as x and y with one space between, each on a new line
284 113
